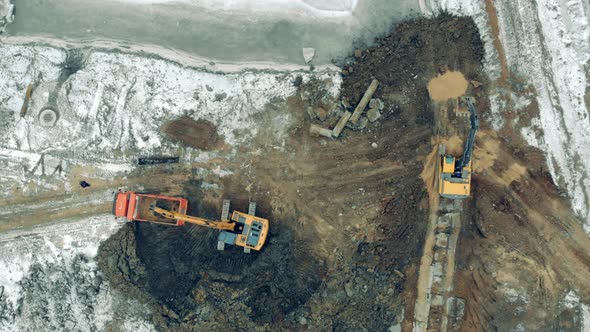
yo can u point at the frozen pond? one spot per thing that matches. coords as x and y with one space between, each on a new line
223 30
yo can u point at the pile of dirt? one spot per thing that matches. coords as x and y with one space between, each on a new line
200 134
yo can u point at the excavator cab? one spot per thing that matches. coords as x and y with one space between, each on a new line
251 232
454 174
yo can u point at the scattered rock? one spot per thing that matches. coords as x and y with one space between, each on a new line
361 124
308 54
374 145
220 96
358 53
298 81
350 69
310 112
475 83
302 320
345 103
321 113
373 114
348 289
376 103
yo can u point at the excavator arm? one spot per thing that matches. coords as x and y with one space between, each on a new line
468 150
222 225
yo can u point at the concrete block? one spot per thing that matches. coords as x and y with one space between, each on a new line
376 103
360 108
341 123
315 130
308 54
373 114
437 300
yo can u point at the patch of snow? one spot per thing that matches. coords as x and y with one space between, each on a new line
46 270
322 8
112 108
138 325
571 300
585 317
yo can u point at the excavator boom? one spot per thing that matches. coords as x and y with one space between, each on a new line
468 150
222 225
454 174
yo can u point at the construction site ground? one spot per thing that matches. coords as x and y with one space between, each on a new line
348 216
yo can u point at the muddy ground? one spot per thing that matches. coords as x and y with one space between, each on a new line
348 215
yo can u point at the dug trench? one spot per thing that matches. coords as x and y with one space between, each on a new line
348 215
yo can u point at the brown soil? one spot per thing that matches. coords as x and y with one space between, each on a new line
451 84
200 134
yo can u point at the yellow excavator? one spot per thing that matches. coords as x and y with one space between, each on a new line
454 175
242 229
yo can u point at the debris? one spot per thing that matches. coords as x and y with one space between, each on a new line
297 81
157 160
348 289
23 109
376 103
373 114
310 112
341 123
321 114
308 54
84 184
364 101
475 83
360 125
345 103
48 117
315 130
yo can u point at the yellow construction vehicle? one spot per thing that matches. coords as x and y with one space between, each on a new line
244 230
454 175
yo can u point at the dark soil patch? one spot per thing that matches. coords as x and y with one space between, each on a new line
200 134
406 60
173 264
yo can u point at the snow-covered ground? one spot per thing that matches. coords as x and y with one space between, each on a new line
110 110
548 44
49 280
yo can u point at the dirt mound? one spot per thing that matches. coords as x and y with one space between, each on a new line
200 134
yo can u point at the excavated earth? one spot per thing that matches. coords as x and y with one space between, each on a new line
348 215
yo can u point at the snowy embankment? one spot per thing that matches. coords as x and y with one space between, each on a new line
110 107
49 279
548 44
6 14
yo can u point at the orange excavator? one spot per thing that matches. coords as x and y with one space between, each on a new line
454 174
243 229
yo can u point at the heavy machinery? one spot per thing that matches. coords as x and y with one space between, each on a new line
136 207
454 175
243 230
